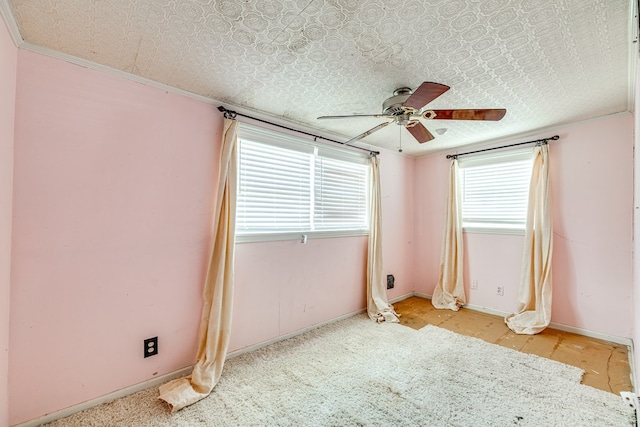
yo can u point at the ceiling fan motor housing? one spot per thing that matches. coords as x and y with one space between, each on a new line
394 106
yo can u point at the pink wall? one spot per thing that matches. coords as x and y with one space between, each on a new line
114 191
284 286
398 215
489 267
592 187
593 220
499 266
431 181
113 195
8 63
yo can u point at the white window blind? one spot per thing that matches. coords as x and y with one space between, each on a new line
495 191
340 195
288 187
274 189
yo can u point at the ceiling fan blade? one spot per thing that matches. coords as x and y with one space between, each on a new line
424 94
369 132
420 133
493 114
353 115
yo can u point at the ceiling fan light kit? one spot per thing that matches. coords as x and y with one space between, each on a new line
406 107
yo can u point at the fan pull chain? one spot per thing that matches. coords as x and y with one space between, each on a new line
400 130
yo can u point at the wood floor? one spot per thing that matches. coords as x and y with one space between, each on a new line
606 364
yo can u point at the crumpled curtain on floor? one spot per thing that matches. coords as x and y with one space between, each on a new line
215 323
378 307
449 291
534 296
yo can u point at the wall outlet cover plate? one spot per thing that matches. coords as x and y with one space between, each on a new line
150 347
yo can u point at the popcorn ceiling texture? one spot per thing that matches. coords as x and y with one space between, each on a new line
548 62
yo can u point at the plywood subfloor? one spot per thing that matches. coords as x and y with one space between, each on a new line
606 364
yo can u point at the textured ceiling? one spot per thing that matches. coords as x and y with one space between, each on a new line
548 62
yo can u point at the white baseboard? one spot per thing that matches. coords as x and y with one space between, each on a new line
153 382
591 334
421 295
559 326
238 352
553 325
587 333
254 347
402 297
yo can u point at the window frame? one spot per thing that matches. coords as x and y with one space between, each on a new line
512 156
287 141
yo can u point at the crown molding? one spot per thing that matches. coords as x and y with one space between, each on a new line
530 134
85 63
634 51
12 25
632 70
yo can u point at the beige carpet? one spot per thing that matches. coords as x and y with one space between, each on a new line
359 373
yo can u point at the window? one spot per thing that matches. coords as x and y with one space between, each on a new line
495 192
288 187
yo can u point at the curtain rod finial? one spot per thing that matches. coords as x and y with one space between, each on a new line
228 114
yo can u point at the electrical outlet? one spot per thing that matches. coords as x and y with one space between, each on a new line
150 346
500 291
391 281
474 284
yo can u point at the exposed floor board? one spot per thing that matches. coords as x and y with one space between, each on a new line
606 364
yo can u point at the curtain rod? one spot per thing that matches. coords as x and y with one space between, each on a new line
229 114
537 141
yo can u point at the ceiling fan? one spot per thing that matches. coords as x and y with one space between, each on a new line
406 107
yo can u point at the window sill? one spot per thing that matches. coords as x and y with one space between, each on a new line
297 235
493 230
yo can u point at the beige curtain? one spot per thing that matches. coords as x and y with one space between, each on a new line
534 296
449 291
378 307
215 323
